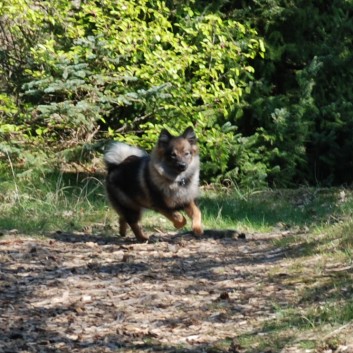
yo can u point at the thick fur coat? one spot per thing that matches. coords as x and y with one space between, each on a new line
166 181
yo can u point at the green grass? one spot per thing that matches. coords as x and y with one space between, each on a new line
268 209
52 202
73 201
70 201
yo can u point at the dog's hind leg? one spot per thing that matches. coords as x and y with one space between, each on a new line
195 214
140 236
122 226
132 218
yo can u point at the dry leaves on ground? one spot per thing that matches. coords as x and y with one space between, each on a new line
178 293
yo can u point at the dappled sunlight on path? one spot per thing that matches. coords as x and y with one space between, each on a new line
177 293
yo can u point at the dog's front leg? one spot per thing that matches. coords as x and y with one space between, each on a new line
195 214
177 218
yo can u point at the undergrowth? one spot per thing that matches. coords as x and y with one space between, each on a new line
51 202
72 201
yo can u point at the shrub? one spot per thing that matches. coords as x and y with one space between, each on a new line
127 69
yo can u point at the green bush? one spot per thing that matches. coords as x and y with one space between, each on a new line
127 69
302 102
76 74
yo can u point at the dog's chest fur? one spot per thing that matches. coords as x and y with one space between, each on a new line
179 191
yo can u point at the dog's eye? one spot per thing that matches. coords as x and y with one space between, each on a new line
173 155
187 154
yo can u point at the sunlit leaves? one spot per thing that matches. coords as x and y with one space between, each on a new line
130 68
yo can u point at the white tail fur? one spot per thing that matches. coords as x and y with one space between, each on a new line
118 152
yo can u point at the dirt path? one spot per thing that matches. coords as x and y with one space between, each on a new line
81 293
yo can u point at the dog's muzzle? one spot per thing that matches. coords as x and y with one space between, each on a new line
181 166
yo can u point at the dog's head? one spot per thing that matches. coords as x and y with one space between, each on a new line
177 152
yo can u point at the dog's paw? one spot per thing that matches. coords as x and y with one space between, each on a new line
179 221
197 229
142 238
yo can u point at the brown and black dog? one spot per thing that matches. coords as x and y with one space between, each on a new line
166 181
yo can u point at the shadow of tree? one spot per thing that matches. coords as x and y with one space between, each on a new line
38 316
43 293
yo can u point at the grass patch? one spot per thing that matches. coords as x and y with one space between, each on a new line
51 202
266 209
312 316
73 201
265 341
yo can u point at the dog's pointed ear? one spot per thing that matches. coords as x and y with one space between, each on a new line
164 137
189 134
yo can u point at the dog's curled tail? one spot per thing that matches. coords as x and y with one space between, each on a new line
118 152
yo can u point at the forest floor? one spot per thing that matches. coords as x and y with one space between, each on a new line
76 292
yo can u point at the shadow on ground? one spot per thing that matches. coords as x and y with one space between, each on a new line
86 293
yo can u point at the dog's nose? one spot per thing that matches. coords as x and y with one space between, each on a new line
181 166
